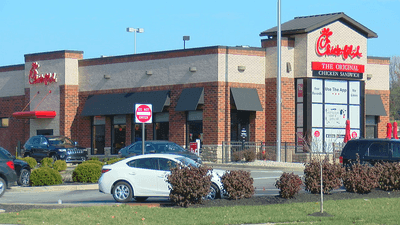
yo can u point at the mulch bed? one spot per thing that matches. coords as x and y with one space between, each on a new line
258 200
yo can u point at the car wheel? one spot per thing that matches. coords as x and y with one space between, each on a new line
54 157
214 192
24 177
3 186
122 192
141 199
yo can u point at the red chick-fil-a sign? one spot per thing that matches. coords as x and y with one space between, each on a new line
324 47
35 78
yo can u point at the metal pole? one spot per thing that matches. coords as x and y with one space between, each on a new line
143 139
278 85
135 39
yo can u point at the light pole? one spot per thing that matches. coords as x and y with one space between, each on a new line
134 30
185 38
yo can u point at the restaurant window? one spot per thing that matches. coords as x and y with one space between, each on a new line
371 127
119 133
161 126
4 122
99 135
240 123
136 132
194 127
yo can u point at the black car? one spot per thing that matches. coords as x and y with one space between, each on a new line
370 151
8 176
157 147
56 147
22 168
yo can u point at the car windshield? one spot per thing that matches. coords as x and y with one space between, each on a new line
188 162
60 141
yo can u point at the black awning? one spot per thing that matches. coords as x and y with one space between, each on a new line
246 99
189 99
120 104
374 106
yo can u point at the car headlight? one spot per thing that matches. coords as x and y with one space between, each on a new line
62 150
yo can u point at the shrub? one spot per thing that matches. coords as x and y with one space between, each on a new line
237 156
389 176
60 165
46 162
45 176
289 185
331 174
100 163
113 160
31 161
261 155
87 172
189 185
360 178
94 158
249 154
238 184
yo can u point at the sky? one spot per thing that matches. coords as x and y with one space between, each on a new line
98 28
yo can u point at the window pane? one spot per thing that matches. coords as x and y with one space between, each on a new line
4 122
379 150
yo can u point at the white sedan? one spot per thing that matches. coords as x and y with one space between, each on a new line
145 176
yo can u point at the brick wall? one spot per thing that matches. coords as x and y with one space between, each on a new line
18 129
287 111
69 102
383 120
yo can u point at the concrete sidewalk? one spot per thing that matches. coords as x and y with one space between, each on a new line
258 164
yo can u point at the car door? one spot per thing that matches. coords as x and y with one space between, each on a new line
165 166
143 176
43 148
34 147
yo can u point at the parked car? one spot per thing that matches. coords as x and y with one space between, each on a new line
157 147
370 151
8 176
56 147
21 167
145 176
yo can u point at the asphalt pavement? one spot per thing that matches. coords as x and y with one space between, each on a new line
258 164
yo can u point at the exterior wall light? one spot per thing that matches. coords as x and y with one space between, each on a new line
241 68
107 77
369 76
192 69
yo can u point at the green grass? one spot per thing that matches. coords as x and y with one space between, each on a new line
357 211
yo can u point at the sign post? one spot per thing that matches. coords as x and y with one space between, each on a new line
143 114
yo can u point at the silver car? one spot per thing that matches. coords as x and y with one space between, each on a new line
145 176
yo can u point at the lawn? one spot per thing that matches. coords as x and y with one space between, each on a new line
356 211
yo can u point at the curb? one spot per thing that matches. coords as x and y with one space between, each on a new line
53 188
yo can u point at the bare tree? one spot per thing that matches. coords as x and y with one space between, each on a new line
394 79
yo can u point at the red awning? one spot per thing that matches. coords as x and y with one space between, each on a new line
34 114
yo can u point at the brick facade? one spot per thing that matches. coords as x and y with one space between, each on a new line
383 120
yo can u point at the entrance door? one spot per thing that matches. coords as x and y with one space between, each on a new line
240 125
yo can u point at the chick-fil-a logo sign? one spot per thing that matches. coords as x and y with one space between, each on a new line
324 47
36 78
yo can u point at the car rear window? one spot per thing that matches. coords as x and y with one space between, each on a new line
350 149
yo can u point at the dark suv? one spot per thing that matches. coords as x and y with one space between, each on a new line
56 147
370 151
7 173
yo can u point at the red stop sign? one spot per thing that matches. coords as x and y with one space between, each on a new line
143 113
